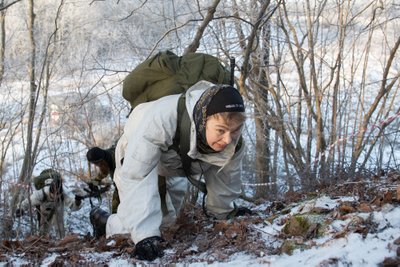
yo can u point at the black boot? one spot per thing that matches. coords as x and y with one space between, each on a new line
149 248
98 219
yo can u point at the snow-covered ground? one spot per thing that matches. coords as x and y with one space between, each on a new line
341 231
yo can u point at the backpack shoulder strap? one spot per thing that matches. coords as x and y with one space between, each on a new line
44 199
181 143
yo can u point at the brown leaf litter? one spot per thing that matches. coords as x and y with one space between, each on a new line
196 237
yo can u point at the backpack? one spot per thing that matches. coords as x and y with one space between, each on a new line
166 74
40 181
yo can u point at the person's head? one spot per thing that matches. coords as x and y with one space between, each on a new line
219 117
56 187
223 129
100 158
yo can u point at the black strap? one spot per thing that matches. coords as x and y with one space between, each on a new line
232 80
181 143
162 189
44 199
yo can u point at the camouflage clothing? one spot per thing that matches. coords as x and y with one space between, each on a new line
104 157
50 209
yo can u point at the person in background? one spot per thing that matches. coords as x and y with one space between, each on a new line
50 202
105 161
217 116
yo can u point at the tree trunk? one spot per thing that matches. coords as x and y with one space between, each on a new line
263 160
2 40
26 169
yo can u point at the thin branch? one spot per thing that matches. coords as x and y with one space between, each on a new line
133 11
196 41
10 4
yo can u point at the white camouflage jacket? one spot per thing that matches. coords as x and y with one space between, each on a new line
39 197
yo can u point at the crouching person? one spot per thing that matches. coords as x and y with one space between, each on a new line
145 151
104 160
50 200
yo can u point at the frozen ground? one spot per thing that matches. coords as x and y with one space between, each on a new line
350 224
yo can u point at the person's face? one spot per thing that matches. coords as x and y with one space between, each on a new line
52 196
220 134
103 166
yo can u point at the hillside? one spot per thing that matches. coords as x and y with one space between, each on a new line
349 224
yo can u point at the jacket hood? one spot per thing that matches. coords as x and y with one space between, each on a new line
193 94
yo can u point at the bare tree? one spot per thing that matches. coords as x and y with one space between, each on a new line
386 87
27 164
2 40
39 86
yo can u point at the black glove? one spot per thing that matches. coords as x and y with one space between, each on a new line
92 187
78 200
242 211
19 212
107 187
149 248
239 211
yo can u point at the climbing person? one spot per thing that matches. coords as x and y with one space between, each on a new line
148 148
50 198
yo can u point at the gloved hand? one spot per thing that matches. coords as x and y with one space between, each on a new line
242 211
149 248
78 200
107 187
93 187
239 211
19 212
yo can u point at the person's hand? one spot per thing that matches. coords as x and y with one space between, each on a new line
149 248
78 200
240 211
92 186
107 187
19 212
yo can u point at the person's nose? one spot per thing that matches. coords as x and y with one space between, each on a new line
227 139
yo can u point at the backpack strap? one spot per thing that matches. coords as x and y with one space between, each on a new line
181 143
44 199
232 62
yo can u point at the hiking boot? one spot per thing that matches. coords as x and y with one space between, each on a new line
149 248
98 219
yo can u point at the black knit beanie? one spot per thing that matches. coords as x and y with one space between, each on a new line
227 99
95 154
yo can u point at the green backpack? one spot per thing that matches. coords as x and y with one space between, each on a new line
167 74
40 181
